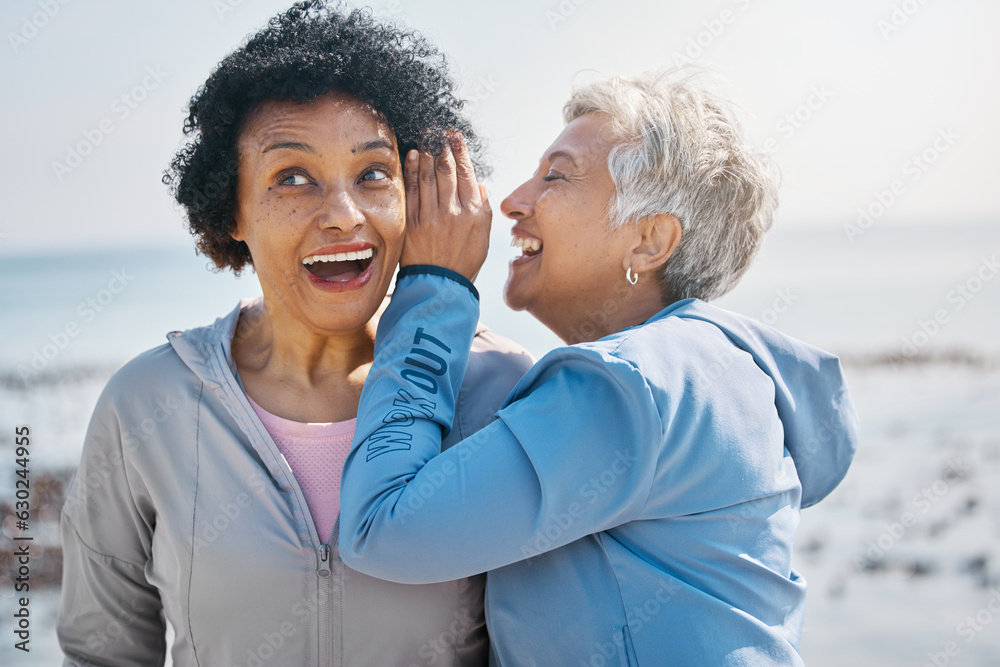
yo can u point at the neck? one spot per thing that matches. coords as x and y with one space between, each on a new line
626 306
300 374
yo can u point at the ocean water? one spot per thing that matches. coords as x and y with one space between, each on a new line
863 296
914 312
911 294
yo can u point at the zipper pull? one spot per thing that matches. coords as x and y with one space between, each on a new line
324 561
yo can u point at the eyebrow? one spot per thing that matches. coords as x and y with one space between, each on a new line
375 144
289 145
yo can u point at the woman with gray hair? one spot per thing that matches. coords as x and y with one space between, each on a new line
636 500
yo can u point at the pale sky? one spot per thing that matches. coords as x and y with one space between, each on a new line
845 95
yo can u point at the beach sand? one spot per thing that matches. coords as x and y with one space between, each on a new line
907 549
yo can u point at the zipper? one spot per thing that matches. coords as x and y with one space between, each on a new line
336 606
323 616
238 403
324 561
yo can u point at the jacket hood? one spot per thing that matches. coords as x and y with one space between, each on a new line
194 346
821 425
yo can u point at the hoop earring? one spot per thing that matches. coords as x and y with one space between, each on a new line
632 280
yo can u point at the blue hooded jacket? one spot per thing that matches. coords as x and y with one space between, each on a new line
634 503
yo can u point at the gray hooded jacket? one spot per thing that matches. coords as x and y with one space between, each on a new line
184 511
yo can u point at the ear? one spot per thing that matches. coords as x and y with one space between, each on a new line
236 217
234 230
235 227
656 239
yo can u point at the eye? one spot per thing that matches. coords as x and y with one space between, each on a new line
376 174
552 176
293 179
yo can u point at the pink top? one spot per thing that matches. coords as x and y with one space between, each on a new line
316 454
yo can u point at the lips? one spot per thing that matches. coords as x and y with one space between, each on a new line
340 268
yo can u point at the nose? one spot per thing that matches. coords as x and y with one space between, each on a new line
520 203
340 210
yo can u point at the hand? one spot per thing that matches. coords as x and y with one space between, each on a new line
448 214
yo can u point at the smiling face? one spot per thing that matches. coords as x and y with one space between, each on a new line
320 205
572 263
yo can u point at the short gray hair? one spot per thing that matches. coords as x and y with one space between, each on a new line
680 151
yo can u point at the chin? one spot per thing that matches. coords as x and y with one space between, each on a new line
516 293
513 300
346 316
513 304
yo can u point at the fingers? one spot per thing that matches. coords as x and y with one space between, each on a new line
428 187
484 197
411 184
484 205
444 167
468 192
448 212
447 180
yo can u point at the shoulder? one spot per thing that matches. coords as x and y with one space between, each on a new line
496 364
151 369
663 336
156 362
660 366
677 352
153 385
589 394
492 352
588 365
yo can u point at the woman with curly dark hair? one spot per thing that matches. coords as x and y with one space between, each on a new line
207 497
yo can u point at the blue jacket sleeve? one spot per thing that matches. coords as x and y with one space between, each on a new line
572 453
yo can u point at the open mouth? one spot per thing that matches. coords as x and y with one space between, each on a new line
529 247
340 267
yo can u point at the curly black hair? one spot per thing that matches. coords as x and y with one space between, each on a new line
307 51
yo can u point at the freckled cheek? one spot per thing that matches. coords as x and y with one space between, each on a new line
280 214
392 234
386 210
272 230
389 218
